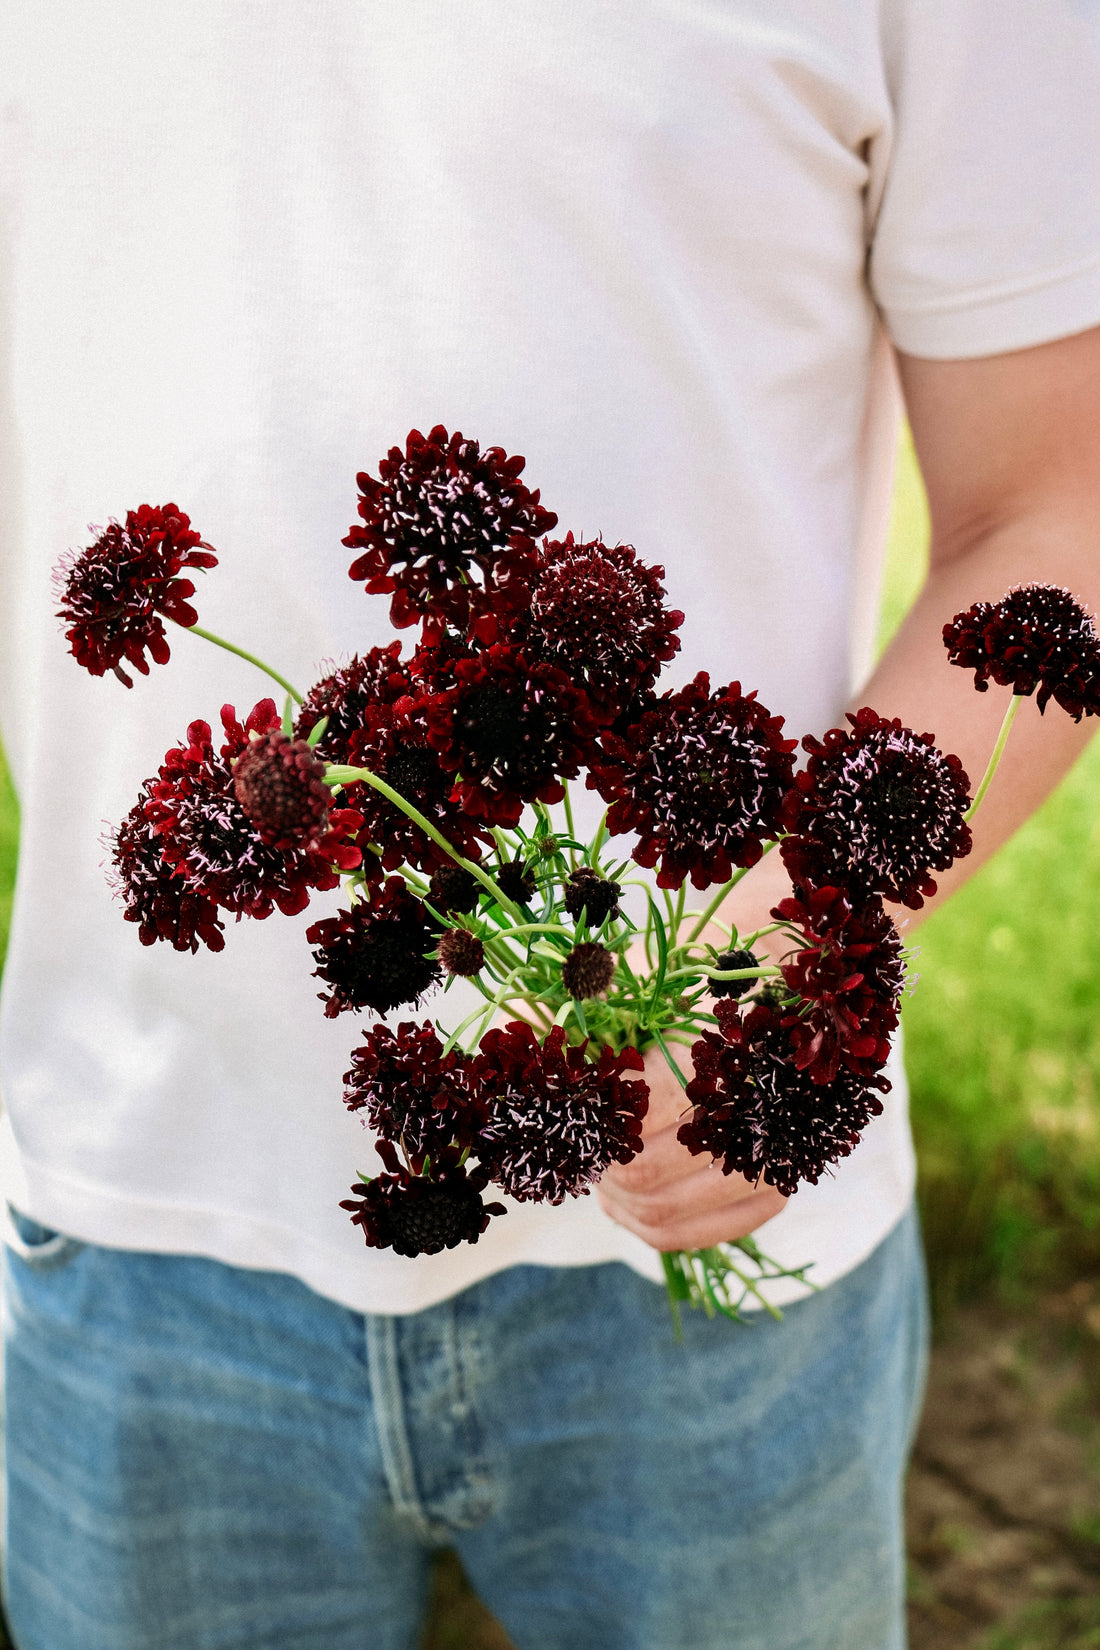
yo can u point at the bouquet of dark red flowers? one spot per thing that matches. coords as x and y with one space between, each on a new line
434 785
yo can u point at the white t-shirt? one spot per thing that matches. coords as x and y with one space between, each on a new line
657 246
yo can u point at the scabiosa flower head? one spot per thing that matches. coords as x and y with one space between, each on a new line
280 784
876 809
510 732
412 1092
757 1113
591 897
421 1214
727 961
599 614
441 513
453 889
114 593
700 778
848 974
556 1119
461 952
393 744
1036 637
376 677
154 894
515 881
588 970
373 955
208 838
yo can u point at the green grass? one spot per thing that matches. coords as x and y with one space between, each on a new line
1061 1624
1002 1027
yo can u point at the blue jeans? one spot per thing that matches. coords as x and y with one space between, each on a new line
201 1458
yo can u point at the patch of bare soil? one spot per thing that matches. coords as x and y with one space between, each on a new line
1004 1494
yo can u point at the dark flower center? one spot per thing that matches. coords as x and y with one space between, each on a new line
452 888
383 961
438 1218
414 771
491 723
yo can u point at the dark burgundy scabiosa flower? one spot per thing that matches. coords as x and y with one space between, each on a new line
556 1119
588 970
393 744
377 677
453 890
461 952
590 897
372 956
876 809
206 835
442 513
436 658
700 778
421 1214
727 961
757 1114
599 614
113 594
509 732
1036 637
154 894
280 784
515 881
412 1092
849 974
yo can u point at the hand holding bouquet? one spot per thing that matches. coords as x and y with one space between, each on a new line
433 785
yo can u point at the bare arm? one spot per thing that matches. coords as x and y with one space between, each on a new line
1009 448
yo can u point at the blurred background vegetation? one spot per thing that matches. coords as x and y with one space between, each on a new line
1003 1037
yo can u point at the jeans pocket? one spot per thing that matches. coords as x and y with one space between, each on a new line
38 1246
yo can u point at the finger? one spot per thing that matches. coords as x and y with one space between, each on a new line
667 1101
692 1216
667 1109
656 1189
663 1157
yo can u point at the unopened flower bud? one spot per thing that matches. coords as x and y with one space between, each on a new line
588 970
461 952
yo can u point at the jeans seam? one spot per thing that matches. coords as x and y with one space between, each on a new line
389 1418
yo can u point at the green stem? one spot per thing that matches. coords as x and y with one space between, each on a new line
677 1290
726 889
337 775
998 751
231 647
669 1061
480 1013
537 928
567 804
704 973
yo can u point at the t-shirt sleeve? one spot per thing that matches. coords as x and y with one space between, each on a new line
986 192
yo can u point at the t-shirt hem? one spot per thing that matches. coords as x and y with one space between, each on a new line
95 1214
994 321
